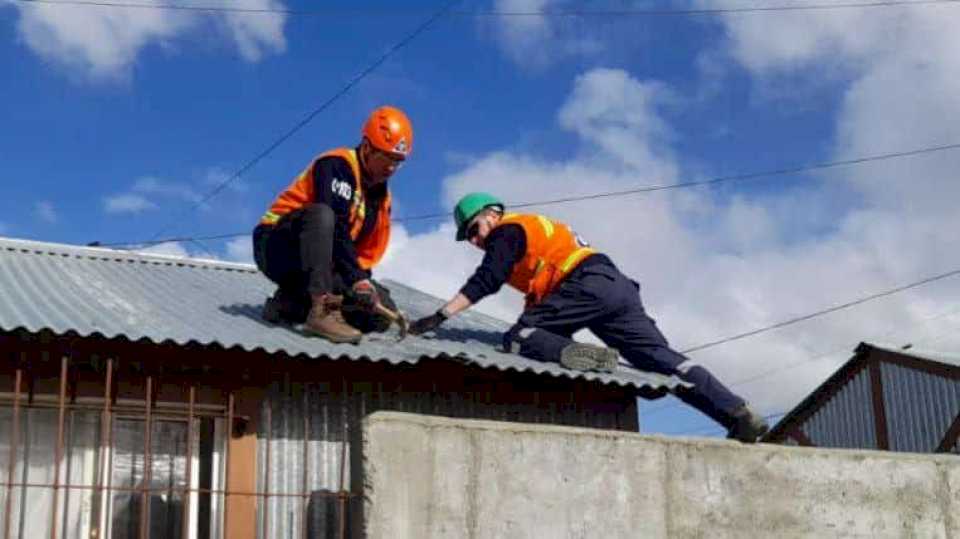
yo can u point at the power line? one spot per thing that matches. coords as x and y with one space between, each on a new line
712 428
610 194
818 357
309 117
713 11
823 312
497 13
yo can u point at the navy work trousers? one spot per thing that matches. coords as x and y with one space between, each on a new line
598 297
297 255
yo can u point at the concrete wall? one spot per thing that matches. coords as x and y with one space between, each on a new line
437 477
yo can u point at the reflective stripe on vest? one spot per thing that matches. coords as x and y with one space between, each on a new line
553 251
370 248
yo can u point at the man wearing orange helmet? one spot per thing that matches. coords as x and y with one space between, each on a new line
323 235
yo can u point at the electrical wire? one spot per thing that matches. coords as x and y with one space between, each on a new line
817 357
609 194
823 312
313 114
499 13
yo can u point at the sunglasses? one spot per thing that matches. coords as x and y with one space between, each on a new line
392 158
473 230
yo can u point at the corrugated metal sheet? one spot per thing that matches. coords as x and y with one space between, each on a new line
89 291
847 419
920 407
325 416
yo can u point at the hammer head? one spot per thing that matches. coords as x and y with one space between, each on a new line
397 318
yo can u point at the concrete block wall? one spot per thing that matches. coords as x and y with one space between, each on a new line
438 477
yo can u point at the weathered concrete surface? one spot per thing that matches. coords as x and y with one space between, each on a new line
437 477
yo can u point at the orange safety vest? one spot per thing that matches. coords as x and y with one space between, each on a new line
553 251
370 248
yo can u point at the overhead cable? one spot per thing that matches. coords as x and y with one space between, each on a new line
823 312
817 6
313 114
777 370
610 194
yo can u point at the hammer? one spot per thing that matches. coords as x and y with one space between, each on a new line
397 318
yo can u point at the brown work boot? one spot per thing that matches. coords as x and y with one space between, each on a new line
325 320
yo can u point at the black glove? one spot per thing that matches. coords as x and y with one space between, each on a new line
366 295
428 323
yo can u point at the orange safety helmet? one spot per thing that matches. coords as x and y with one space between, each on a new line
388 129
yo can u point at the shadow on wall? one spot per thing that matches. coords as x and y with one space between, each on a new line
324 515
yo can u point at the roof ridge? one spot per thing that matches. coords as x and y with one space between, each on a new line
107 254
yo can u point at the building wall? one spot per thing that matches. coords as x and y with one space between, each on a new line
309 435
269 438
438 478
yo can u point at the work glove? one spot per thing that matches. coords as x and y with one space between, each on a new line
366 295
428 323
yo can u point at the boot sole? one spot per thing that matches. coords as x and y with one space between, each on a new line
750 434
335 340
585 357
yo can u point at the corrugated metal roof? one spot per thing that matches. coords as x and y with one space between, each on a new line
846 420
116 294
919 405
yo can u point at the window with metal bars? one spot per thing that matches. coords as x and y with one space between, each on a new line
103 481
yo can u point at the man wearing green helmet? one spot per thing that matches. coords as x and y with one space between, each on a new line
570 286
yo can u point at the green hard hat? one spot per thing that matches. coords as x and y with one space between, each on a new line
468 208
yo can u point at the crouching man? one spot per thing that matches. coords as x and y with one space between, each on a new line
570 286
322 236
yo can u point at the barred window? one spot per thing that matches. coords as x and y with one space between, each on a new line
110 479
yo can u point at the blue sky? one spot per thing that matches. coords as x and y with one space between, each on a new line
118 121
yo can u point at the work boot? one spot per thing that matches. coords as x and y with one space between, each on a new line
589 357
748 427
325 320
283 308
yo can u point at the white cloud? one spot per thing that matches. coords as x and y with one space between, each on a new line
215 177
536 41
901 77
619 115
45 211
256 35
145 192
104 42
159 188
710 267
127 203
240 250
180 250
167 249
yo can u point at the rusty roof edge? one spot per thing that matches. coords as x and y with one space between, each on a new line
669 382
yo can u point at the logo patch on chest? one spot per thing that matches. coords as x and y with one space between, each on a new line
342 189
